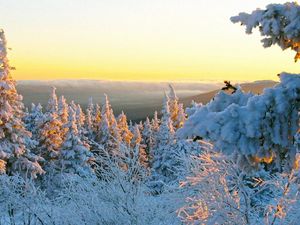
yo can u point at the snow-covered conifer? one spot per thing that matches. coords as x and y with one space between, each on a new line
50 135
107 110
137 145
52 102
15 157
80 118
278 24
104 133
89 120
137 137
62 112
255 128
96 118
155 122
90 105
115 138
33 119
148 138
62 109
164 139
74 154
181 117
125 133
173 106
166 130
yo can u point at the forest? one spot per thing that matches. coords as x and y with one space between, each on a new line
234 160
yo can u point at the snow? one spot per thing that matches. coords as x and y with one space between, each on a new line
234 160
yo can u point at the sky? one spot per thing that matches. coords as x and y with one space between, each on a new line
147 40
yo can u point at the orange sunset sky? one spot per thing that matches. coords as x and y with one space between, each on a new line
148 40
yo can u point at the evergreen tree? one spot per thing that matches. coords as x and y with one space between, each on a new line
166 130
50 133
257 130
62 112
89 120
155 122
80 120
90 106
33 119
104 132
63 109
74 154
164 140
96 119
148 139
181 117
52 102
278 24
125 133
15 157
137 137
136 144
173 106
115 139
107 110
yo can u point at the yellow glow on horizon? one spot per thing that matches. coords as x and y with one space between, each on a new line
149 41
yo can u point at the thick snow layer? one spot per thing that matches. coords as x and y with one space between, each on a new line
251 125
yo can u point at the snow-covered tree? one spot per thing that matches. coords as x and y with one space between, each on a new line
181 117
33 119
136 144
115 138
125 133
278 24
255 128
165 134
107 111
164 139
173 106
90 105
147 137
74 154
50 135
155 122
89 120
109 136
15 157
109 133
170 153
62 109
97 118
62 112
80 119
52 105
219 192
104 132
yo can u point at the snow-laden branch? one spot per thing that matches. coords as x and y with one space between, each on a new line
278 23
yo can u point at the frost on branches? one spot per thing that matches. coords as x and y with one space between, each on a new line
33 119
255 128
50 133
15 157
278 23
74 154
219 192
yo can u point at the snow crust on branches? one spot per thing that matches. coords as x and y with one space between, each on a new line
278 23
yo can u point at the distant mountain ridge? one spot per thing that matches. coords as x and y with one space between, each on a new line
256 87
137 99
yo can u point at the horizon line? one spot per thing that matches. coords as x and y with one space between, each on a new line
146 81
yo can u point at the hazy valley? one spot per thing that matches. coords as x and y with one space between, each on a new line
137 99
